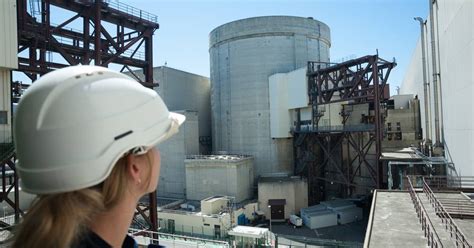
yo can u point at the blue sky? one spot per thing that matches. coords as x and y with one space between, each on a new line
358 27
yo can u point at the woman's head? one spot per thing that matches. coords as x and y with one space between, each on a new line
134 174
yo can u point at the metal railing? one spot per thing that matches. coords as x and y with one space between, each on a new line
226 157
116 4
450 182
151 237
450 225
336 128
426 224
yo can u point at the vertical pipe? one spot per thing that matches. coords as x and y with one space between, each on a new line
425 81
435 75
440 86
97 46
378 120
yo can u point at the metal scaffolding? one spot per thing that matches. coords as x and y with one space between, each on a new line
111 33
51 46
326 154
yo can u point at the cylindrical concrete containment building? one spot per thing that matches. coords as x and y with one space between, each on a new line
243 55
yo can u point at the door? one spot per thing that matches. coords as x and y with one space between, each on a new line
278 212
217 231
171 227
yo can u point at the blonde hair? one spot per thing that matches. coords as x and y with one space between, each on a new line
58 220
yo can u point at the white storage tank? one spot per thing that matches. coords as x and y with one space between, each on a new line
243 55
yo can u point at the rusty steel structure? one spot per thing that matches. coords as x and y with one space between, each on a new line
10 183
106 32
337 154
129 45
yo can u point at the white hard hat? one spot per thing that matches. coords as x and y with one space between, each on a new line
73 124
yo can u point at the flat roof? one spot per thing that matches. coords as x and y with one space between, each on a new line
319 212
393 221
265 179
339 204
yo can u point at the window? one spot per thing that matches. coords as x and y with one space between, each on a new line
3 117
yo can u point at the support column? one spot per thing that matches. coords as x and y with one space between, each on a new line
148 70
97 27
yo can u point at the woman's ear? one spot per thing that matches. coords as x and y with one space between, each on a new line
133 169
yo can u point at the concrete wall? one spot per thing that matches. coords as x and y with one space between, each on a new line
8 37
173 153
279 112
5 105
287 91
213 205
8 61
183 90
294 190
243 55
210 177
456 47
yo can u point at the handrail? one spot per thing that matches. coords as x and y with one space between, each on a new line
144 15
368 233
154 236
426 224
460 238
451 183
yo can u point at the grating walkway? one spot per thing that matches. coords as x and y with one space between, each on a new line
436 220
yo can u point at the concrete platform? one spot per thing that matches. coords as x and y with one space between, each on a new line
393 222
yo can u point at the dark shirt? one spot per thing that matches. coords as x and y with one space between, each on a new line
92 240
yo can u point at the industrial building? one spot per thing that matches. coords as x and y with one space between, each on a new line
449 87
172 154
243 54
189 94
210 219
435 209
229 175
281 196
182 90
278 129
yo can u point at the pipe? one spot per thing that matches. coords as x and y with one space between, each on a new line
425 82
435 75
441 118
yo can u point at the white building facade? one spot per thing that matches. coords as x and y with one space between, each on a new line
454 36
